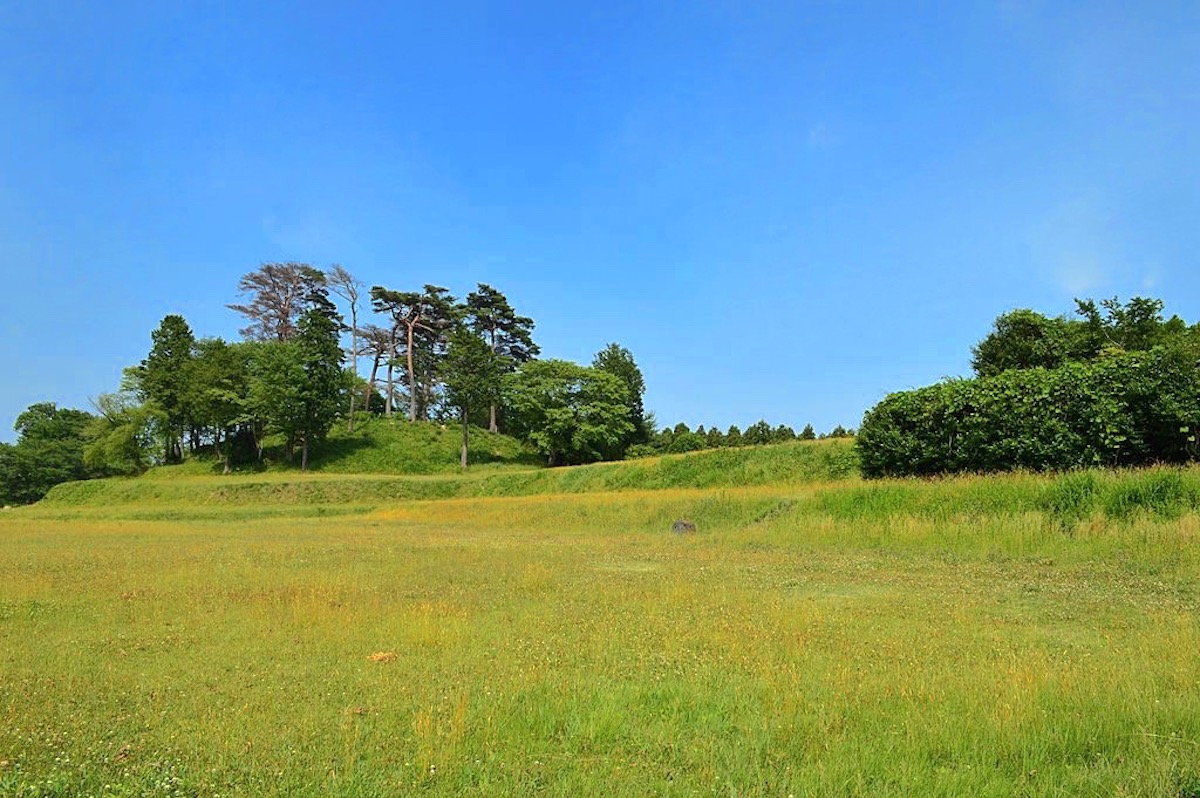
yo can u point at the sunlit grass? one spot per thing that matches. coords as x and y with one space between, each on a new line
962 637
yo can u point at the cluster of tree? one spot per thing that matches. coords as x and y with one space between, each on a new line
190 394
1119 386
49 450
678 439
1024 339
433 359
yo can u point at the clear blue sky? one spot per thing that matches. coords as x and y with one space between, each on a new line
784 210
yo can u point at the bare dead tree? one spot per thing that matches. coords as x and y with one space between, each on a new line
344 285
277 294
378 343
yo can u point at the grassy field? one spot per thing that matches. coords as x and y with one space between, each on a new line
1017 635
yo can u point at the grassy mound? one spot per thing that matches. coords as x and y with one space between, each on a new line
378 446
784 464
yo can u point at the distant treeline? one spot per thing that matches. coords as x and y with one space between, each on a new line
679 439
1117 386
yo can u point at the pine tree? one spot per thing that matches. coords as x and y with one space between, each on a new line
508 335
163 378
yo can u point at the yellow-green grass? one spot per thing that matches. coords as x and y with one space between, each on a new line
784 464
960 637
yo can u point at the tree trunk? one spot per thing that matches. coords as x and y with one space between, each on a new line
466 435
371 384
304 455
412 378
492 425
354 360
391 366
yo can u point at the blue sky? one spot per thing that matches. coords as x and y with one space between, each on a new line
784 210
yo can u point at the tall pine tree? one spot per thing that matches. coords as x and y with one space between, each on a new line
508 335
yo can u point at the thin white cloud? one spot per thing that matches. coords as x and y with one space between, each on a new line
1075 247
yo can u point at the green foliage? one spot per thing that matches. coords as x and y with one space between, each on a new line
49 450
570 413
618 361
757 434
220 392
1024 339
472 374
164 378
1123 409
122 439
808 434
297 386
508 335
687 442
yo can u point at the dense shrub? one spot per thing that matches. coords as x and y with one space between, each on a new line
1124 409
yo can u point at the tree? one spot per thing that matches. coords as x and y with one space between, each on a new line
297 385
618 361
278 293
686 441
346 286
570 413
317 338
472 373
49 450
423 318
714 438
1135 326
733 436
508 335
123 435
163 378
380 345
1023 339
808 434
220 391
757 433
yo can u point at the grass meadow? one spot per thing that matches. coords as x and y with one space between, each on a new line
986 636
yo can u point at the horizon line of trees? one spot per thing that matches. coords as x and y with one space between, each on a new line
680 438
1117 386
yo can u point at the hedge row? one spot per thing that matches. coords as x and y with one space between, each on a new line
1122 410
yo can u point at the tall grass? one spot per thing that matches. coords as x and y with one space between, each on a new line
1017 635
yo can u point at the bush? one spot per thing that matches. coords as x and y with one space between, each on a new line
1126 409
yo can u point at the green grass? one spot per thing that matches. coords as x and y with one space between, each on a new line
378 446
784 464
1016 635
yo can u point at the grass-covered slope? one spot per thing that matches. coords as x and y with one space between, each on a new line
783 464
378 446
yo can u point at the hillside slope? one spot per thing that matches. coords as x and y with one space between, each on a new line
782 464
